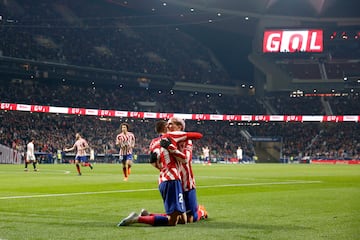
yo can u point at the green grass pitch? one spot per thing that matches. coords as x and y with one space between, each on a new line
259 201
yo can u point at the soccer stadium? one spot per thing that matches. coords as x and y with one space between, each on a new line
269 87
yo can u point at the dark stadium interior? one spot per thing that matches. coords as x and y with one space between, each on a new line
181 56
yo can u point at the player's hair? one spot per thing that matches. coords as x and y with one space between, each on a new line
125 124
160 126
178 121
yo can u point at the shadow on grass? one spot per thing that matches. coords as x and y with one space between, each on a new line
219 225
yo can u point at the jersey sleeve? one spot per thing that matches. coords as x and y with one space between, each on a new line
179 136
194 135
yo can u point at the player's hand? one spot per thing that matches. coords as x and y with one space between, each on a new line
165 143
153 157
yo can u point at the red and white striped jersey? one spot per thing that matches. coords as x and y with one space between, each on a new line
186 172
170 165
126 143
81 145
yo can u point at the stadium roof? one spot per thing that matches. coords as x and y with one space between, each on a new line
228 26
243 15
300 8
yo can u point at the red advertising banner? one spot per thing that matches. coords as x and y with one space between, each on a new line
197 116
335 161
36 108
8 106
106 113
77 111
293 118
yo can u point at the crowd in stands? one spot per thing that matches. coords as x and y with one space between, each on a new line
345 105
52 31
283 104
54 132
43 32
127 99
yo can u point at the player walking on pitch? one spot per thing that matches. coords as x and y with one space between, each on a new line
81 145
126 142
30 155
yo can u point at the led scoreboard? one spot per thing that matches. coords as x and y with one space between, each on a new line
310 40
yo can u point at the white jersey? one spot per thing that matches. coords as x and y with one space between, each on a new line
30 154
239 153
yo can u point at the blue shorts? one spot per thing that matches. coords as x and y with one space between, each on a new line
171 192
191 203
126 157
81 158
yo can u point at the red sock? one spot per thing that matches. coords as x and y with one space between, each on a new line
78 168
201 214
154 220
147 219
125 172
158 214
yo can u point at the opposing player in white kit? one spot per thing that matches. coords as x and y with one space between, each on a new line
30 155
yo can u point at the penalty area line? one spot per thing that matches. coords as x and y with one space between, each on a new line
155 189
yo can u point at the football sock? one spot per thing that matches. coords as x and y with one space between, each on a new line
125 172
201 214
154 220
34 165
26 164
129 170
88 165
161 221
78 168
158 214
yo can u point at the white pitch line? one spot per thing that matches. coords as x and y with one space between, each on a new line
260 184
155 189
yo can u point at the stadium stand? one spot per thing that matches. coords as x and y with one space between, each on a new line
54 38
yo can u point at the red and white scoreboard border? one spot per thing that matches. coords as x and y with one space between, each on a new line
194 116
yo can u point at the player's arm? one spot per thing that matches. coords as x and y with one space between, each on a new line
188 150
86 146
132 144
70 149
154 160
118 140
194 135
178 136
174 151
